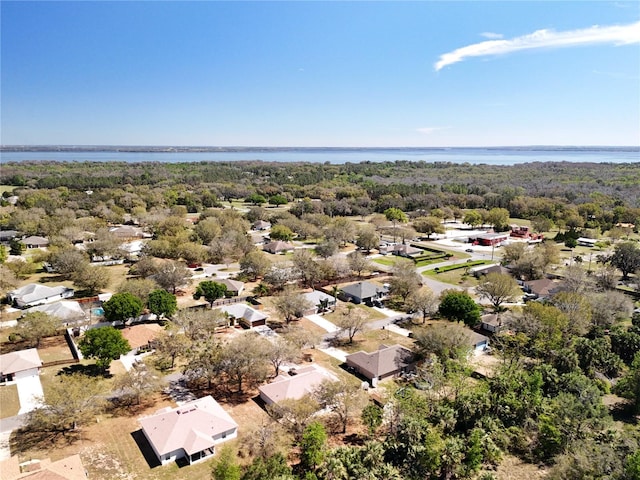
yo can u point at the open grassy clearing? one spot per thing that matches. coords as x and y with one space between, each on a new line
9 401
7 188
454 277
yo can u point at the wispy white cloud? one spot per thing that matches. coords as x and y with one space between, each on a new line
614 34
430 130
491 35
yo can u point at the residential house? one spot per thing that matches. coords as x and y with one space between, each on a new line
385 362
35 242
318 299
541 289
244 314
478 342
141 336
491 322
190 431
38 294
295 385
20 364
261 225
68 468
277 247
128 232
364 292
481 270
400 249
234 287
7 235
68 311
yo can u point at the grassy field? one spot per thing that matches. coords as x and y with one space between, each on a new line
9 401
6 188
454 277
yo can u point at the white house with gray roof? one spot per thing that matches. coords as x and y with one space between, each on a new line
38 294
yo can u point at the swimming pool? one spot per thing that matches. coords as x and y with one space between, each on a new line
98 311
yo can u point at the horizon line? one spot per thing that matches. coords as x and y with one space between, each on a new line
52 145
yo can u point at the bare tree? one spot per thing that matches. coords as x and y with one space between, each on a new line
359 263
291 305
405 279
352 320
423 301
280 351
136 383
345 400
171 275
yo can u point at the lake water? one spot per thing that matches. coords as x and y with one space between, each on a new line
490 156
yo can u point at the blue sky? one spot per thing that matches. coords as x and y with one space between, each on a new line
321 73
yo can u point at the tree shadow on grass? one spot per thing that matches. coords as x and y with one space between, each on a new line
89 370
28 438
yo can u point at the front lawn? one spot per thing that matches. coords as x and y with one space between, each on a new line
370 314
9 401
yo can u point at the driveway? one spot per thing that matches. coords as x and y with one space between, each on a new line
30 393
323 323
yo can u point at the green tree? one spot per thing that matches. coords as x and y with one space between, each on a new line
626 257
428 225
281 232
162 303
371 417
3 254
16 247
278 200
472 218
459 307
395 216
211 291
498 288
104 344
629 385
226 467
313 446
256 199
34 326
269 468
121 307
